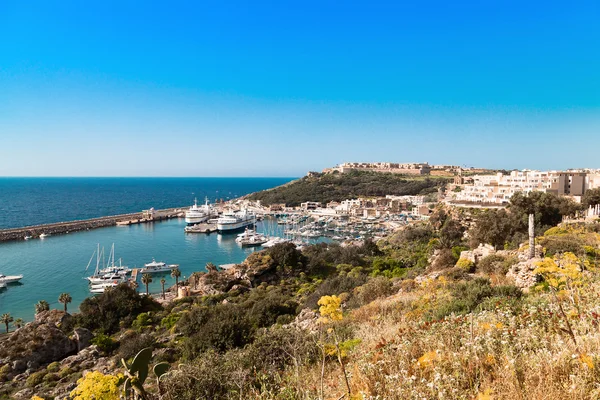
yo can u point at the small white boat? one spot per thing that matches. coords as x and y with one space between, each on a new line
157 266
44 235
102 287
27 237
2 285
10 278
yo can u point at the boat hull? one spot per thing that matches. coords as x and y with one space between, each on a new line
234 227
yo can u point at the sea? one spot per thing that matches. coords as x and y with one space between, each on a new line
59 263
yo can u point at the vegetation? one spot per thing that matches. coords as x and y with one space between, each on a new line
65 298
147 280
6 319
41 306
403 318
337 187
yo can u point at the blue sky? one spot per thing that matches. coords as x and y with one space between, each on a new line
279 88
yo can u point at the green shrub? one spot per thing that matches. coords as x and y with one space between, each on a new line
456 250
170 320
465 265
35 379
51 377
374 289
132 342
53 367
64 372
495 264
105 343
467 296
143 320
333 286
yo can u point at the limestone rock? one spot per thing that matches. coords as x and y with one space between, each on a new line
82 337
306 320
482 251
39 342
523 275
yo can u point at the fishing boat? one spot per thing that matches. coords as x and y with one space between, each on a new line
10 278
157 266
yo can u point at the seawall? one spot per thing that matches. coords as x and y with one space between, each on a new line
86 224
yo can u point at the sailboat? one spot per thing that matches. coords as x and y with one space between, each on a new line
109 273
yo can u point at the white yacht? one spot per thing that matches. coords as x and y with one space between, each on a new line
2 285
44 235
251 238
198 214
10 278
101 288
233 221
157 266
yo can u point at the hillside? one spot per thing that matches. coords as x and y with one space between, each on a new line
421 314
337 187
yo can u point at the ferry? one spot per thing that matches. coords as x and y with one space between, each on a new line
198 214
235 221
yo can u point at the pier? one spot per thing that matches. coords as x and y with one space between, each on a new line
60 228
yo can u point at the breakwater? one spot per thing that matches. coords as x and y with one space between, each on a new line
86 224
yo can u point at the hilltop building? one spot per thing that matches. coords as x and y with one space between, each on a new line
394 168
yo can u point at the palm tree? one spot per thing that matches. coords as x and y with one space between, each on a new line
41 306
196 277
18 323
176 273
162 283
6 319
65 298
146 280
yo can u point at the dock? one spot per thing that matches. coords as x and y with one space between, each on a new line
201 228
59 228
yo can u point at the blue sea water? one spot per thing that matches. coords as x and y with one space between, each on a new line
57 264
34 201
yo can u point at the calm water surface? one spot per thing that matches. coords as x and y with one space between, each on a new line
57 264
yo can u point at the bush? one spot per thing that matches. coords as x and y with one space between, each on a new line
132 342
64 372
374 289
113 308
559 244
105 343
170 320
467 296
35 379
465 265
53 367
221 327
333 286
496 264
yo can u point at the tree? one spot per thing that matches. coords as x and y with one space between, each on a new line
146 280
18 323
42 306
65 298
591 198
494 227
6 319
162 283
176 273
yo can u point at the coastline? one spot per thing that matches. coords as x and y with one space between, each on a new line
59 228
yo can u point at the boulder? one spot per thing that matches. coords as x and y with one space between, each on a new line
522 273
39 342
83 338
483 250
306 320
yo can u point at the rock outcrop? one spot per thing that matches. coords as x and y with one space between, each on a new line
39 342
523 275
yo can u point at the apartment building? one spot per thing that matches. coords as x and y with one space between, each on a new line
499 188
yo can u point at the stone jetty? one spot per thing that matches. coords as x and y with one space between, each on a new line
87 224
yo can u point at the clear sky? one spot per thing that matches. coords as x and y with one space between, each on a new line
225 88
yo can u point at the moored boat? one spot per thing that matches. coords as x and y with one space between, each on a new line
234 221
157 266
